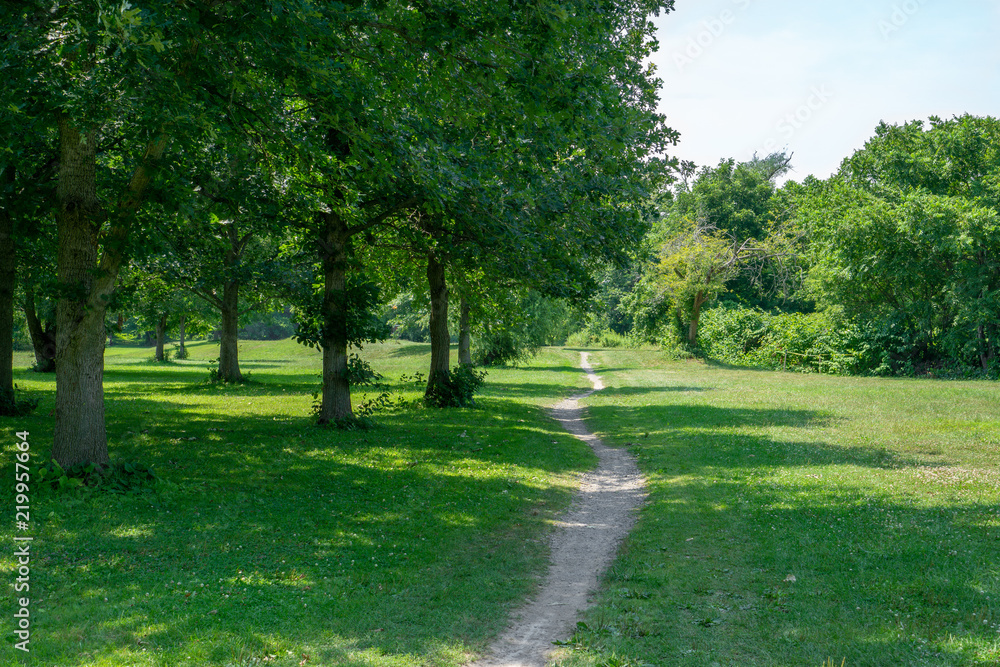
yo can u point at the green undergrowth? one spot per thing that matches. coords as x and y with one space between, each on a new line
266 540
799 520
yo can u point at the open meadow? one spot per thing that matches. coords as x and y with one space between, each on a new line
792 519
800 519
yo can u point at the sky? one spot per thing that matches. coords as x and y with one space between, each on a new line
816 78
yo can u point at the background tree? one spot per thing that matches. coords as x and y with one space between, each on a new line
721 231
904 240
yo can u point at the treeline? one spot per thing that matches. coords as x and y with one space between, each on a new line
177 161
890 266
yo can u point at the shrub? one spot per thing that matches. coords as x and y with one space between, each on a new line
814 342
120 477
457 389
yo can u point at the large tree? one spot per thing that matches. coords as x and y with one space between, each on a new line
115 84
545 114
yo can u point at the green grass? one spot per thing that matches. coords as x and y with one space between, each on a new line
409 544
403 545
881 498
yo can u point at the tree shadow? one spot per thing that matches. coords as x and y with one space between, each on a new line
718 429
412 350
272 514
893 571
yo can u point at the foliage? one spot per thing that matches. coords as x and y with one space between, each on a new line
908 232
813 342
407 317
359 305
268 326
457 390
515 324
599 338
722 230
118 478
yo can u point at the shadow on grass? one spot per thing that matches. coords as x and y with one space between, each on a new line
877 581
403 539
639 391
888 566
412 350
715 429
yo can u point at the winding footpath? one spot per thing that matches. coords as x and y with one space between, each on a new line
583 545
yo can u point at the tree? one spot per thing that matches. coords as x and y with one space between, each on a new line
552 101
719 232
115 84
696 265
905 237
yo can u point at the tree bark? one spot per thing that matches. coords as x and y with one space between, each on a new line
335 405
464 332
229 361
699 300
161 334
181 352
79 435
43 340
440 339
8 280
985 349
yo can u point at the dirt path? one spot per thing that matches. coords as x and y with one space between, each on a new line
583 545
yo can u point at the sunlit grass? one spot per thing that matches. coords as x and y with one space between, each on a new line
797 519
278 542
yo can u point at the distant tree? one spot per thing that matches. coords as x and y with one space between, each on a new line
906 236
719 232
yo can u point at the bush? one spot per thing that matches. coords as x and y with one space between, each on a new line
601 338
814 342
120 477
272 327
457 390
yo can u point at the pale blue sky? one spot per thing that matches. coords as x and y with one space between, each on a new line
816 77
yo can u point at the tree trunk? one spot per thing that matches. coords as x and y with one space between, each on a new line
440 339
181 352
229 362
699 300
43 341
336 402
161 334
79 435
985 348
464 332
8 280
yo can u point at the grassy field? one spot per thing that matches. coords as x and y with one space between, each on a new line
792 519
280 543
800 519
